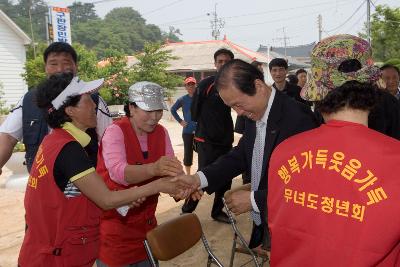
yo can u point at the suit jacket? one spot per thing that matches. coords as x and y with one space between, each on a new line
287 117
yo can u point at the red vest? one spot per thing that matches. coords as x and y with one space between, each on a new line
122 237
61 231
334 198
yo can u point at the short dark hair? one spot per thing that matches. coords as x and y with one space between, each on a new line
60 47
241 74
292 79
390 66
278 62
47 91
301 71
225 52
256 63
126 108
353 94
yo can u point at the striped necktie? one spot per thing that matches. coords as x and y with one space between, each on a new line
256 163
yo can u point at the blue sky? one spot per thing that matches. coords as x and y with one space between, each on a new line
250 23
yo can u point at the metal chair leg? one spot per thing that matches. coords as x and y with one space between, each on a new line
209 261
211 255
233 251
237 232
153 262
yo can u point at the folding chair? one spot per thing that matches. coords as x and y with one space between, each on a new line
174 237
240 245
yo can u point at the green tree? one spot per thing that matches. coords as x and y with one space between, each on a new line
172 35
152 66
385 32
394 61
123 29
82 12
34 67
118 78
38 10
34 72
3 109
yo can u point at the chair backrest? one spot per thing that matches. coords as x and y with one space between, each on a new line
174 237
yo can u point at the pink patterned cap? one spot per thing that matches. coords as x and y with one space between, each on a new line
327 56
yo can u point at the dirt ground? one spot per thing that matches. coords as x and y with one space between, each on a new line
219 235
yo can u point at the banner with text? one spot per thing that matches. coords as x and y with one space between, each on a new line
60 28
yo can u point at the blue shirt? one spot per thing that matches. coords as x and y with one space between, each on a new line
184 102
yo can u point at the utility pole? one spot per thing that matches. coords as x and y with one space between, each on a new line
216 23
285 40
46 16
30 21
319 27
369 21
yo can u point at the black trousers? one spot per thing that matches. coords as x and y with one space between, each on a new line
187 149
207 154
260 236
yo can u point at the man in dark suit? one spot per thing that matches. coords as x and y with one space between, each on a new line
271 117
214 132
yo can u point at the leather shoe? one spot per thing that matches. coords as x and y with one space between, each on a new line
221 217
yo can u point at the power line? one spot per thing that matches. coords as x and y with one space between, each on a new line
189 20
162 7
357 21
282 9
264 22
276 20
347 20
181 20
101 2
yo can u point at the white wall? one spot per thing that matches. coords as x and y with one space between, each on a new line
12 60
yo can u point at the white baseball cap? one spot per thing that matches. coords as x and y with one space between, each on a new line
76 87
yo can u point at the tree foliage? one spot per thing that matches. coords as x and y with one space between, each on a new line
152 67
385 32
122 29
3 109
19 13
114 69
394 61
82 12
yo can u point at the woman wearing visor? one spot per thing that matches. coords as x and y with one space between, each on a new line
64 194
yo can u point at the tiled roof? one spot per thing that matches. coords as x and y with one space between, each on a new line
198 55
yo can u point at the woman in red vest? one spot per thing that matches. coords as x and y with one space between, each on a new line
64 194
334 191
134 151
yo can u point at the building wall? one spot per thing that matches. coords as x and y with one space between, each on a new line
12 60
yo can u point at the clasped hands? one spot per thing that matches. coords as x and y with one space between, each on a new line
174 182
181 186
